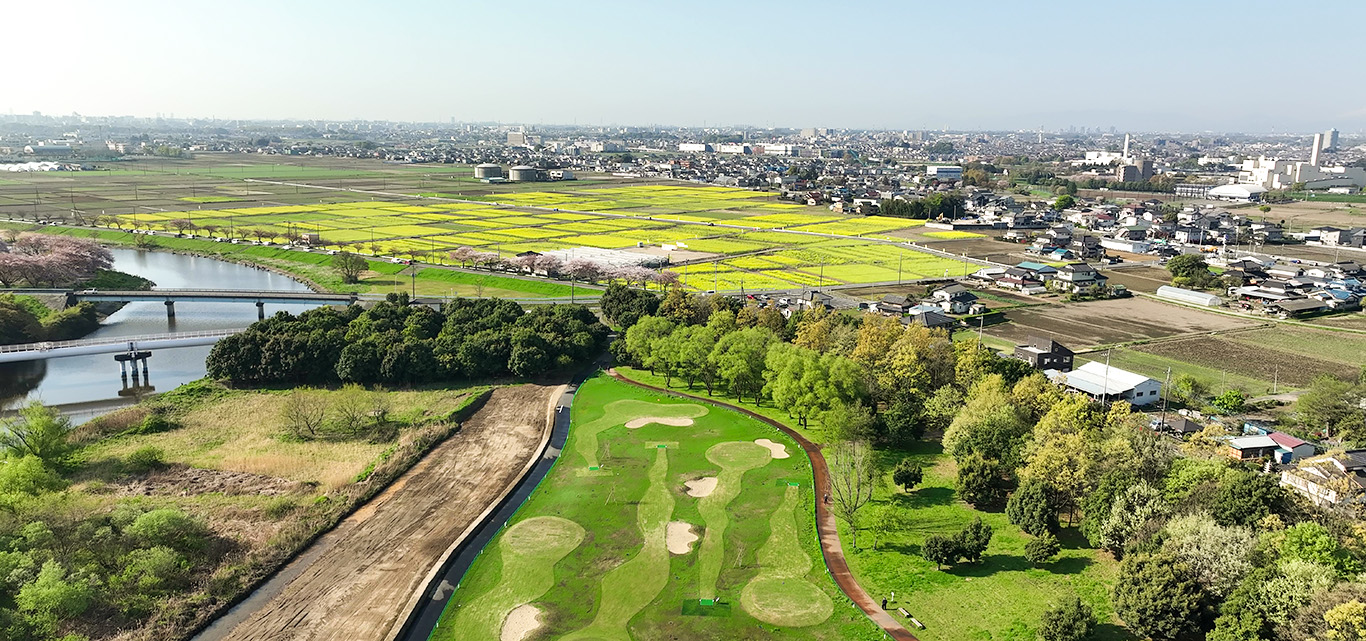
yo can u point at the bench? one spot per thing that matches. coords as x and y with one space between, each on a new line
913 620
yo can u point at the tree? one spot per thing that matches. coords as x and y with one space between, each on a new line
1042 548
1190 270
887 518
854 475
1332 407
38 431
1244 497
643 337
623 306
1230 402
1064 201
739 360
1189 389
303 413
941 550
907 474
1158 599
1034 507
1130 512
349 266
973 540
982 481
1218 557
1311 542
1067 620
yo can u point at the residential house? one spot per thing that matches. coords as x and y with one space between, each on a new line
1250 448
1105 383
1078 276
1045 354
954 299
928 316
1335 479
1342 237
1292 307
1291 448
895 304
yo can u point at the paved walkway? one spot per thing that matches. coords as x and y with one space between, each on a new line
825 520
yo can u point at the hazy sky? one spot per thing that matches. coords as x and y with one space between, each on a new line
1189 65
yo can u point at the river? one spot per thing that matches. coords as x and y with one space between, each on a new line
92 383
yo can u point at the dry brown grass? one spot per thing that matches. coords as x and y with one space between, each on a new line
243 433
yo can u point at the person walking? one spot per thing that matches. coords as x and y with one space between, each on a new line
884 603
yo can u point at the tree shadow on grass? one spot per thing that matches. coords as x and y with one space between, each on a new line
1068 565
1110 632
923 497
991 564
1072 539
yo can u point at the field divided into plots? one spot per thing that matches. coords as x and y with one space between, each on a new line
750 233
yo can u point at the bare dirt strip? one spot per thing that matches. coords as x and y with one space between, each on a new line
355 581
825 519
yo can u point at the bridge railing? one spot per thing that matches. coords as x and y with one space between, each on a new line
112 340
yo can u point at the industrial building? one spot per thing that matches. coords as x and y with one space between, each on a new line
1241 193
944 172
694 147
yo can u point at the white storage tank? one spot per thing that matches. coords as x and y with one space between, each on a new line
488 170
523 173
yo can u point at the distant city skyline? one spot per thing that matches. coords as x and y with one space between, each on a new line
1004 66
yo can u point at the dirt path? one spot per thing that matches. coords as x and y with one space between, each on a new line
825 519
355 581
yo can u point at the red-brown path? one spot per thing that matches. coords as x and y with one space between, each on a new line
825 520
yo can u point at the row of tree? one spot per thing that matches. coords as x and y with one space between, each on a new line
394 342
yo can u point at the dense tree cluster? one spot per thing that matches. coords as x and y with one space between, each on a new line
399 344
930 207
26 320
44 260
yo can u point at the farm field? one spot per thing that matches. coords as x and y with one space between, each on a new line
1087 325
662 519
1003 596
1251 360
380 277
242 197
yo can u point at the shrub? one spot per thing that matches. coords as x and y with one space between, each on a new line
940 549
1041 549
973 540
145 459
1067 620
28 475
908 474
169 527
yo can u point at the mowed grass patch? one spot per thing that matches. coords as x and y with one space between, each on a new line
1002 597
620 583
1341 347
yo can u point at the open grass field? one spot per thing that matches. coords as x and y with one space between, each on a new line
1002 597
1109 322
252 197
656 504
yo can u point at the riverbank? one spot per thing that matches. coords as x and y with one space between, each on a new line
314 268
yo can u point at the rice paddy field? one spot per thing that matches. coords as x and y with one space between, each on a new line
662 519
426 211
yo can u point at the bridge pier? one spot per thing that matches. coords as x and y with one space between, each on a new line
260 310
170 309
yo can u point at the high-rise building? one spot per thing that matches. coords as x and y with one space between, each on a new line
1126 147
1330 140
1315 149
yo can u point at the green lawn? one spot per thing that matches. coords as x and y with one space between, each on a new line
1000 598
589 547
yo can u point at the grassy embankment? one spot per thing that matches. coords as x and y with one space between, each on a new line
588 547
227 458
1000 598
381 277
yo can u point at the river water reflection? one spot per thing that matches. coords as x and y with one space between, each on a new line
92 379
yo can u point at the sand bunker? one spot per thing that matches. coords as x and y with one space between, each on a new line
680 537
701 487
521 622
662 420
777 449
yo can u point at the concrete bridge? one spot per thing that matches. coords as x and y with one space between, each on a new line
169 297
111 345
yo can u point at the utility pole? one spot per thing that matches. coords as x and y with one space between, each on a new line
1166 385
1105 393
